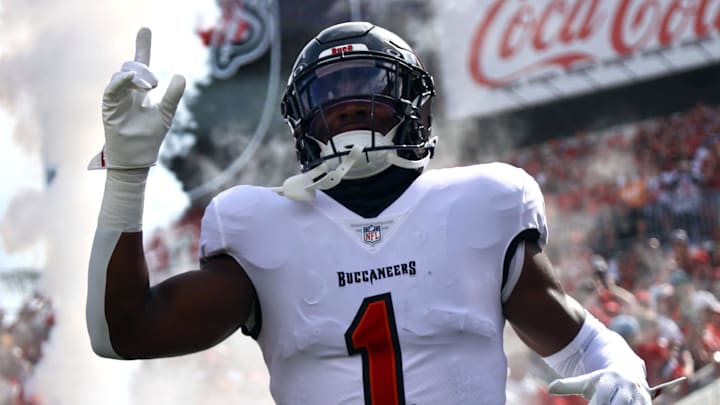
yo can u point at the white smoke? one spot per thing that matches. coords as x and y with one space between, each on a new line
55 60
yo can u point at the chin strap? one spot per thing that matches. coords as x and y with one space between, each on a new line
301 187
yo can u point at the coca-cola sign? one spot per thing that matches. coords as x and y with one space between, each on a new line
509 53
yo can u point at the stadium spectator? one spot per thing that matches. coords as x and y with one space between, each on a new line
706 312
12 363
611 299
21 348
683 188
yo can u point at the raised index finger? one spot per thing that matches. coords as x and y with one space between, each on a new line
142 46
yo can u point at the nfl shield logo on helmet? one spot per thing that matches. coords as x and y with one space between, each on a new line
372 234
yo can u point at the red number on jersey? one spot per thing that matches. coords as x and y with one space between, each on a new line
373 335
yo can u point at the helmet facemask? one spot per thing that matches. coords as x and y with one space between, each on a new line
376 97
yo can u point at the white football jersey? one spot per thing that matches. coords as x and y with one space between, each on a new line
404 308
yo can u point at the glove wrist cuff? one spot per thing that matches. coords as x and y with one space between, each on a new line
595 348
123 201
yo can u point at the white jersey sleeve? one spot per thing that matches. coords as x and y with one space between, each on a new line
246 223
515 213
533 226
533 208
234 224
212 238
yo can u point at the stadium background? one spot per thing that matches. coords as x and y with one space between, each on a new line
624 145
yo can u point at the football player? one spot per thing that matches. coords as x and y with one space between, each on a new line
365 279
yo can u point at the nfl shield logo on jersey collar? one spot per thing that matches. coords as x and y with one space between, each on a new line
372 234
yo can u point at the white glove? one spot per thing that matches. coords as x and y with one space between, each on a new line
134 126
611 387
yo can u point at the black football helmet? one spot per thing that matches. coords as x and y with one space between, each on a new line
357 83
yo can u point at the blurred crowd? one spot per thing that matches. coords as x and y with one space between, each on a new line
21 347
635 234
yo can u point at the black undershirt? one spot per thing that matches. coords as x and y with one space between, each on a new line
370 196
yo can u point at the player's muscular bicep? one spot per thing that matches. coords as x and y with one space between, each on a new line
183 314
544 317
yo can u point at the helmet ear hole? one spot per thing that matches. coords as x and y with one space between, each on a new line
394 52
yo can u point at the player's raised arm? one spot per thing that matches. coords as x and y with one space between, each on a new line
126 318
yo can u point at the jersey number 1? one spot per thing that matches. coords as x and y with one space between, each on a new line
373 335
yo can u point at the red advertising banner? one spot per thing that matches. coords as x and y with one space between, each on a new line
505 54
